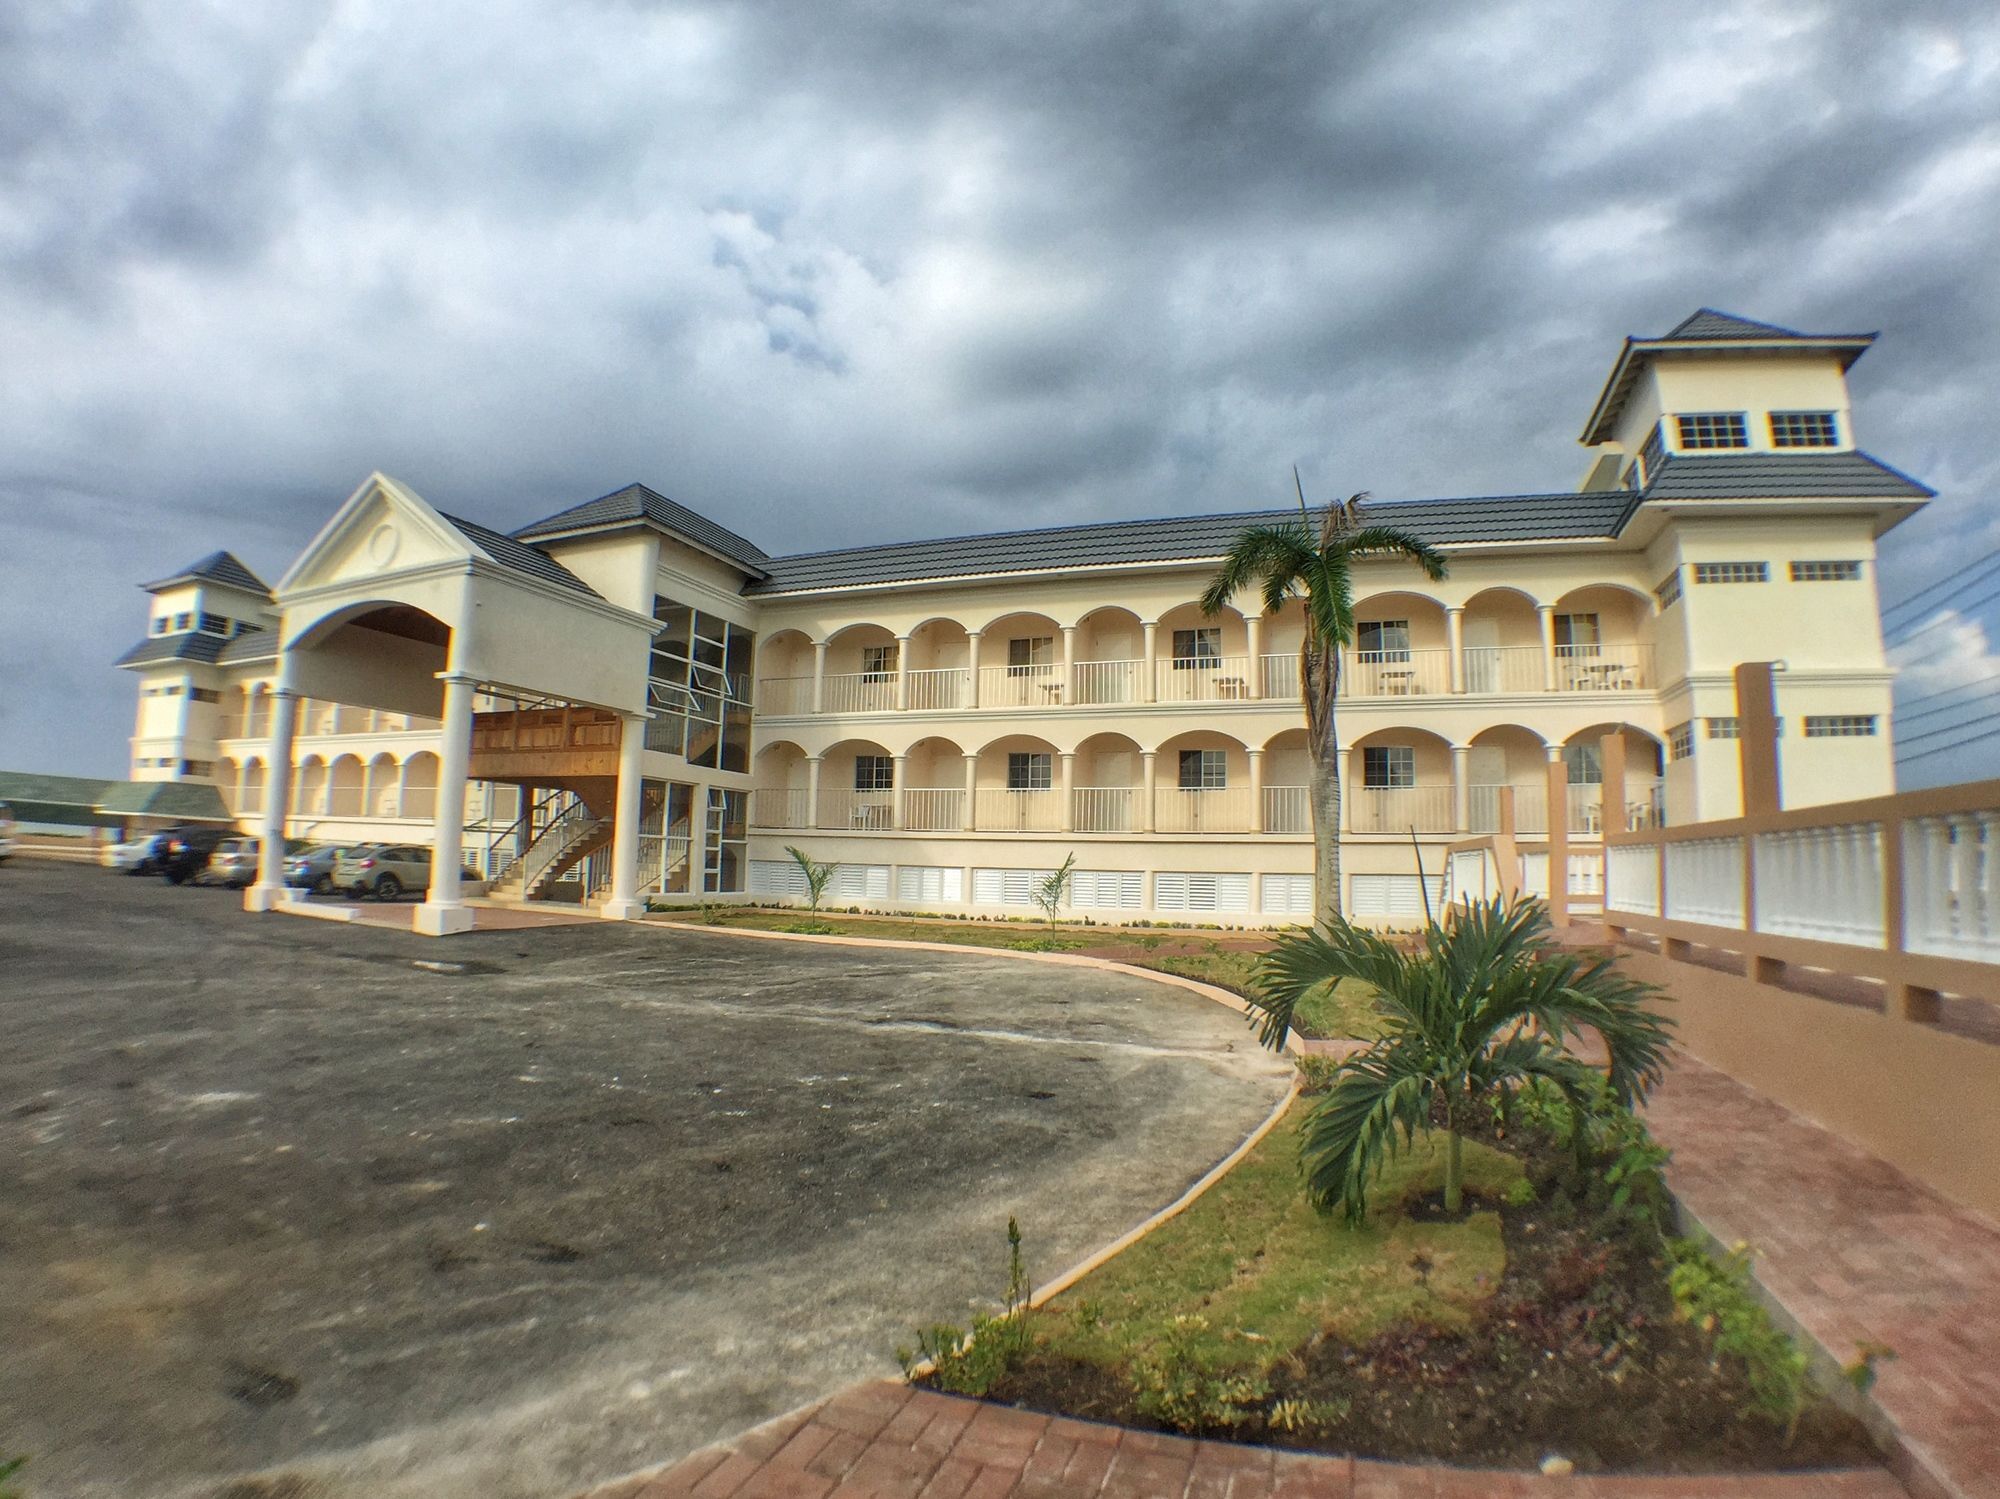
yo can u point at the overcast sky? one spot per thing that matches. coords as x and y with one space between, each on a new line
838 272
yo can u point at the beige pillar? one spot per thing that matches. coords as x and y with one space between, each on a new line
1068 694
1611 795
1256 788
443 912
1068 790
971 800
1256 655
1454 628
902 675
278 774
819 676
1461 787
1149 817
1149 670
813 763
1558 783
972 638
626 903
1547 615
899 773
1757 742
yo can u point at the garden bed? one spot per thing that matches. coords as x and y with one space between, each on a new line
1518 1330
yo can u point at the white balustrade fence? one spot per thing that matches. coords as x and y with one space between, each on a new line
935 688
1003 811
1109 681
1823 883
1632 875
1020 687
856 811
1395 673
1505 668
860 692
1288 809
778 696
1204 679
1106 809
1279 676
1222 809
1705 881
1951 873
779 806
934 809
1397 809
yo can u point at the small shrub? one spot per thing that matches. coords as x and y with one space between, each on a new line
1044 944
1634 1174
818 876
1861 1372
9 1466
1520 1192
1303 1417
1715 1296
1053 891
972 1363
1173 1387
1317 1073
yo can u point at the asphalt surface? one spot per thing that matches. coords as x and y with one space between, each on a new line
284 1217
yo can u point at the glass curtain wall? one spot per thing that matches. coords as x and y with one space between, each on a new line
701 672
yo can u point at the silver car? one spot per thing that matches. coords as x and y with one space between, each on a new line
384 871
234 862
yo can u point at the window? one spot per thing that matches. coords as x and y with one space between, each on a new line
1583 765
196 767
1713 429
160 625
1668 589
1031 656
1385 767
1383 640
699 690
1579 632
1654 453
725 858
1204 769
214 624
874 773
1826 572
878 662
1680 741
205 695
182 621
1197 650
1803 429
1731 727
1840 725
1732 572
1028 770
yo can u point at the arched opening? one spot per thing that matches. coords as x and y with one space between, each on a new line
1109 779
1501 759
1204 658
1401 648
346 791
1020 662
1284 638
1110 647
934 787
1604 640
783 789
379 787
419 786
309 788
861 666
857 787
1017 786
784 673
1398 781
1503 642
1645 777
938 655
230 776
251 803
1202 784
1288 783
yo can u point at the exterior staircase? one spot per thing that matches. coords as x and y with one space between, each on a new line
562 845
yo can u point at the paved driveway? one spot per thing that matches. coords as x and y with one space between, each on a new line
274 1201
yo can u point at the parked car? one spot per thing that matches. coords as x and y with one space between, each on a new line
384 871
186 852
234 862
6 832
134 856
311 867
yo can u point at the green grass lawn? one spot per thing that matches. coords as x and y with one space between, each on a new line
1267 1271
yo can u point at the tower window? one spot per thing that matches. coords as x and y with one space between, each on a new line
1803 429
1713 429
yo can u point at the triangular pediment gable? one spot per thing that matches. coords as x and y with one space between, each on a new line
384 528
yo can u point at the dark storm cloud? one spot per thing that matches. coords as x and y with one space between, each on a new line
839 271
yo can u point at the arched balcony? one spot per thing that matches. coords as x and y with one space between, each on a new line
309 788
857 788
1020 662
931 789
1203 658
1287 783
785 673
1109 777
1504 760
380 787
862 665
1602 640
420 785
1203 785
937 667
1109 657
1645 765
344 790
1281 635
1502 640
782 798
250 799
1402 647
1018 786
1398 781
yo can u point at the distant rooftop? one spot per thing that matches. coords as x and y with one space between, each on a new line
216 567
636 504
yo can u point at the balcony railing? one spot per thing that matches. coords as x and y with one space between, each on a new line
1106 809
933 688
1505 668
1396 673
1204 679
1398 809
860 692
1288 809
1003 811
1603 668
779 807
857 811
1020 686
1220 809
1099 682
779 696
934 809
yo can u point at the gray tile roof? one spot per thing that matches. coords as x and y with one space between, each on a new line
256 645
194 801
1708 323
190 646
518 556
635 502
216 567
1535 517
1735 476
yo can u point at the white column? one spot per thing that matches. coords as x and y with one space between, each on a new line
899 774
1149 669
1256 623
971 800
972 671
278 773
902 681
443 912
1454 628
1461 787
1068 665
625 903
819 676
1558 805
813 763
1547 612
1068 790
1148 815
1256 790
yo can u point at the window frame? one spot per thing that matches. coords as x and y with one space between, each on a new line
1030 770
1791 435
1197 648
1388 767
874 772
1711 431
1715 573
1384 650
1826 570
1204 770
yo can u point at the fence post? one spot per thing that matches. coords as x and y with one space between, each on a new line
1906 1001
1757 738
1557 777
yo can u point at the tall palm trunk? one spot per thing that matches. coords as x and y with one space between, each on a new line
1319 676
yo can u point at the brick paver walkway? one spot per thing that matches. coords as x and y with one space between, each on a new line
886 1441
1856 1252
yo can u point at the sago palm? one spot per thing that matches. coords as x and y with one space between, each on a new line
1482 1007
1295 559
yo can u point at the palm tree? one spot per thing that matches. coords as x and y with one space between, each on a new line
1480 1009
1291 560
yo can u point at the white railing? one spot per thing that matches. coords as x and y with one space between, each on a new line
779 806
1398 809
1633 873
1279 676
1609 667
779 696
1395 673
1585 874
1002 811
1020 687
1221 809
1288 809
859 692
1705 881
1951 903
934 688
1505 668
934 809
1108 681
1204 679
858 811
1531 807
1106 809
1824 883
663 862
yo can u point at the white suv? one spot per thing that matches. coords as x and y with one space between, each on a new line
6 832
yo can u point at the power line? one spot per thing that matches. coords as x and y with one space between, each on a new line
1941 749
1969 723
1910 598
1958 611
1926 697
1904 717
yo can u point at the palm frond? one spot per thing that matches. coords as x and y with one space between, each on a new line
1378 541
1260 554
1348 1133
